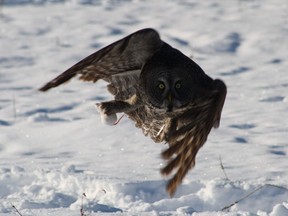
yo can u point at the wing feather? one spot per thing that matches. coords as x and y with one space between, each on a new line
186 140
127 54
124 85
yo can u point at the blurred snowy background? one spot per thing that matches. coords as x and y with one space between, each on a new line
53 147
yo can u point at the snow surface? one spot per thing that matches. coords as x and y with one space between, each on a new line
54 148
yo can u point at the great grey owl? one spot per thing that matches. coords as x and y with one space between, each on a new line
163 91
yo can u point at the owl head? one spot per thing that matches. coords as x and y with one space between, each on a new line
168 88
170 81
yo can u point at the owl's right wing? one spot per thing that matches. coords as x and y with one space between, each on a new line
189 132
119 63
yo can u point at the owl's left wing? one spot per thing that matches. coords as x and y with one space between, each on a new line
121 60
189 132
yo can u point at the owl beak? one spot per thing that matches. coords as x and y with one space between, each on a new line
169 98
170 103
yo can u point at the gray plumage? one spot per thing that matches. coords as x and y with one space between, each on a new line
164 92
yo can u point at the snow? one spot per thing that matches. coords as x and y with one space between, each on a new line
56 156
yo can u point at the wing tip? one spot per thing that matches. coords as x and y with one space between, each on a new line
62 78
52 84
49 85
44 88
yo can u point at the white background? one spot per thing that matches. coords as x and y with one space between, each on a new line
53 147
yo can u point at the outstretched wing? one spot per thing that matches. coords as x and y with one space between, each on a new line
119 63
189 131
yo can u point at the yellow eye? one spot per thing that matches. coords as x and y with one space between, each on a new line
178 85
161 86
